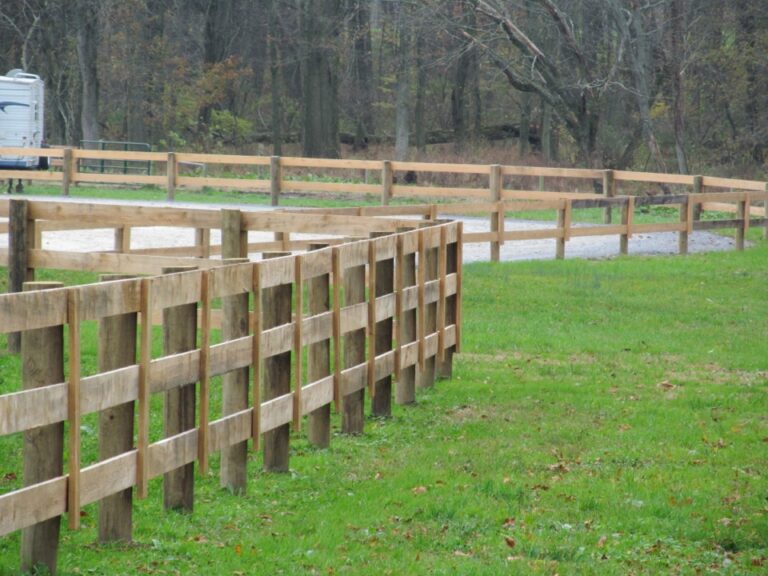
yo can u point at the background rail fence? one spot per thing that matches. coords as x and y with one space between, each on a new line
448 182
294 334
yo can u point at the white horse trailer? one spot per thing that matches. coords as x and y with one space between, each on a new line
22 108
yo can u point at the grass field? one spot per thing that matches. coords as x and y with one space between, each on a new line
605 417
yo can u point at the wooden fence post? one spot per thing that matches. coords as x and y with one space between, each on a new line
445 366
381 403
430 263
405 391
682 237
179 335
172 173
561 226
698 188
742 213
353 413
42 361
203 242
627 214
67 169
117 348
609 191
21 239
319 357
123 239
234 324
276 311
387 179
765 214
495 185
275 177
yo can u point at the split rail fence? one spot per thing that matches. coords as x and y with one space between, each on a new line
496 190
297 334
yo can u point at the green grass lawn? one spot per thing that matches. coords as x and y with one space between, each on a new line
605 417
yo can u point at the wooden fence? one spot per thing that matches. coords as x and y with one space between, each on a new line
494 190
381 315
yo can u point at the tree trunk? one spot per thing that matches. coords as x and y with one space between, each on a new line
362 70
276 79
319 78
87 58
402 103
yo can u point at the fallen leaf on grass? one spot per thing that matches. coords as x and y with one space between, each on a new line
509 523
510 541
543 487
514 558
758 561
560 467
666 385
419 489
461 554
602 541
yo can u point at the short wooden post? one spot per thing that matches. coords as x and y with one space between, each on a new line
405 391
116 349
682 237
445 366
352 417
67 169
42 363
387 179
275 179
627 214
765 214
234 324
742 213
609 191
698 188
319 357
431 264
381 403
179 335
172 173
21 240
203 242
495 185
561 239
276 311
123 239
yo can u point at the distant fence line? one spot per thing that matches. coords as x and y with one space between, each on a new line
308 330
702 193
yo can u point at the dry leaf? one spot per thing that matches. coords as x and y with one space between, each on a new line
666 385
419 490
510 541
238 549
461 554
602 541
509 523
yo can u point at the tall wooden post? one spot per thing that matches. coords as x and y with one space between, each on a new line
682 237
179 335
427 376
495 185
319 357
353 413
117 348
381 403
21 240
276 311
698 188
234 324
445 367
405 391
42 364
742 213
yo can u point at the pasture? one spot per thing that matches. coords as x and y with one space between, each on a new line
604 417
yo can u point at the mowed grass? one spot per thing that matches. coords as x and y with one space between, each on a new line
604 417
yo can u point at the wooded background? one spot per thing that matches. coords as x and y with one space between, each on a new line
660 85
